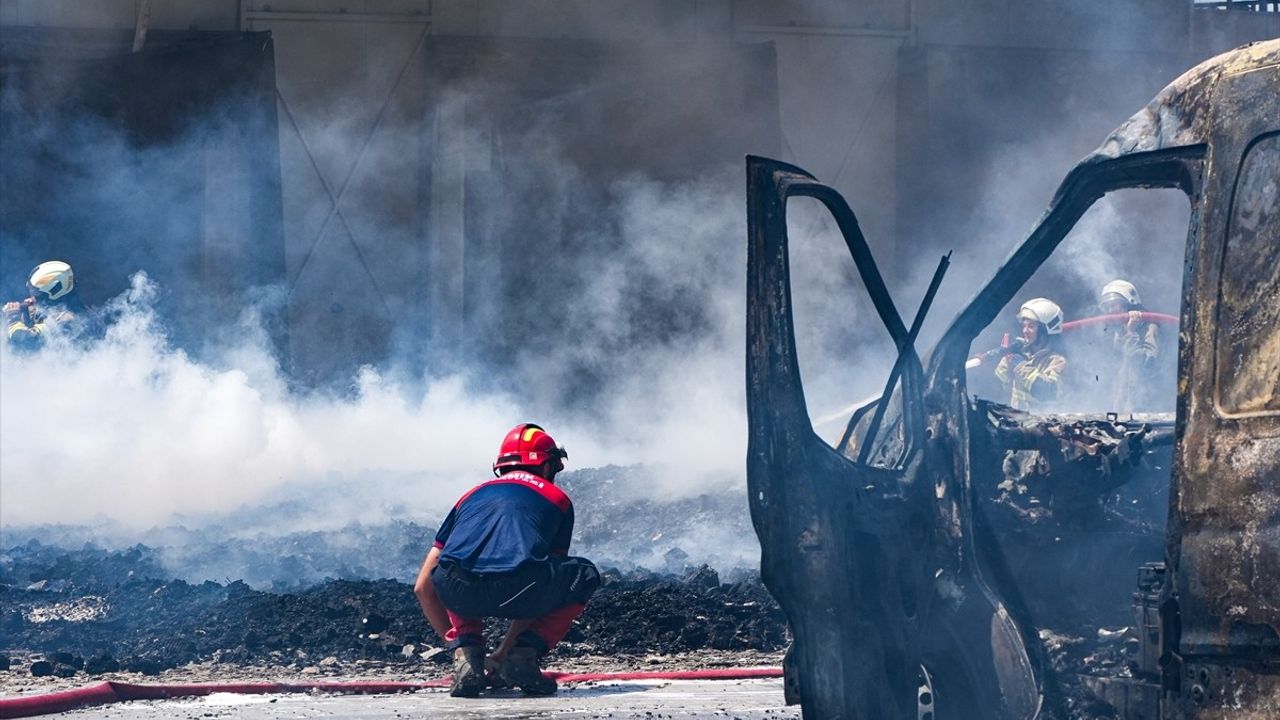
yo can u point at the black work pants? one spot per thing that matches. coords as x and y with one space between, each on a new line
550 592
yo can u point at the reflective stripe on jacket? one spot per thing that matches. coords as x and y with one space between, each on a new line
1034 380
31 337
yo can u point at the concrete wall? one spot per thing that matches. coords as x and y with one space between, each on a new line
904 105
351 88
165 14
1000 98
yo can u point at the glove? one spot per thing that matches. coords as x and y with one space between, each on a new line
19 310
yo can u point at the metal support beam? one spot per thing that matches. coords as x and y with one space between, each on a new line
901 33
142 22
336 195
1263 6
249 16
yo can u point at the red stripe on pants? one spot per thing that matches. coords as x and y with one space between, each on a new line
553 626
463 626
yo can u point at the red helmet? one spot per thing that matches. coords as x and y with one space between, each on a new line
529 445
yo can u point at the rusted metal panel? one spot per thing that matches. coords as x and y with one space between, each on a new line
1224 535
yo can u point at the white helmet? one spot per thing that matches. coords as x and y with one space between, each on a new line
1119 290
53 278
1044 311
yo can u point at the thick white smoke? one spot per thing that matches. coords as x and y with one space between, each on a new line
134 430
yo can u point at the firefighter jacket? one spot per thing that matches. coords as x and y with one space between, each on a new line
1034 379
1137 350
28 331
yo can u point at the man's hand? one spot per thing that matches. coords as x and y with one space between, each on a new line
1017 350
495 660
1135 317
509 640
491 665
500 653
21 310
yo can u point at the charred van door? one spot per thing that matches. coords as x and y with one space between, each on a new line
828 527
1222 617
851 549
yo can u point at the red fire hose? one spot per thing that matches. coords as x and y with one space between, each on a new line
1113 319
1152 317
106 693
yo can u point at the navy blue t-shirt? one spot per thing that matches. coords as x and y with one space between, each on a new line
505 522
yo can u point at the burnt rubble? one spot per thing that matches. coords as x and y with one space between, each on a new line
1076 509
1075 506
90 611
621 522
1075 467
231 593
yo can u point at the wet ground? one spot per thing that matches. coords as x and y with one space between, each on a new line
18 681
754 699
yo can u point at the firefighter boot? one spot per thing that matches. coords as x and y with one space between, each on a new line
468 672
520 669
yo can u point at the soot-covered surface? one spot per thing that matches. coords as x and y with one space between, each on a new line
95 611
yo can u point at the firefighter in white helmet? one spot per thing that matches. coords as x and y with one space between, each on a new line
52 305
1034 367
1136 343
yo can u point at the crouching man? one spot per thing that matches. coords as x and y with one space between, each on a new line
503 552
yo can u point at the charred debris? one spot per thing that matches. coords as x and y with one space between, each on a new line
91 610
952 558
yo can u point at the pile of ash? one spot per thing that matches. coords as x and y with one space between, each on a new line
298 537
96 611
622 522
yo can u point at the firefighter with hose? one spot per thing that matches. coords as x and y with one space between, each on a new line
1136 344
51 306
1033 365
503 551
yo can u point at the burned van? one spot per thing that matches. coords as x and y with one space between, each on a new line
951 556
